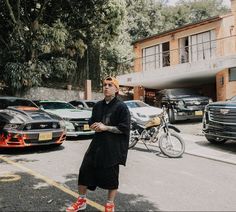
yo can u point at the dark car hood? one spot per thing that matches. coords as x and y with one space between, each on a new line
190 97
223 104
13 115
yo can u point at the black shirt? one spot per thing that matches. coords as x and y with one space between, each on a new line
108 149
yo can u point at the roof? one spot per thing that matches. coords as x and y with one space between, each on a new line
181 28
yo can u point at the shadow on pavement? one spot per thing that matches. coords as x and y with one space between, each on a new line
31 149
151 150
229 146
123 202
31 194
81 137
183 122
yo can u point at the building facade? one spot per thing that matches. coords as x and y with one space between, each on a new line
200 55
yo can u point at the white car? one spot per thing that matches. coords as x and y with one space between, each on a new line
141 111
76 120
84 104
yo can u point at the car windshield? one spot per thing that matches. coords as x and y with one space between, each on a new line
136 104
182 92
90 104
4 103
56 105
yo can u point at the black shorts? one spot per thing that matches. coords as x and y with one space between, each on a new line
92 177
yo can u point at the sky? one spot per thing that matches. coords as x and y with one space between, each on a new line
226 2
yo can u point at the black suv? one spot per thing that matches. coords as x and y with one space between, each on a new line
182 103
219 121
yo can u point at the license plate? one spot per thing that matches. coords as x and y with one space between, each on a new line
198 113
45 136
86 127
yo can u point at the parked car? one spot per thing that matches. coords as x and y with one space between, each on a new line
182 103
23 124
219 121
76 119
84 104
141 111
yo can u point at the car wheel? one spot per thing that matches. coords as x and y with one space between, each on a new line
215 140
171 116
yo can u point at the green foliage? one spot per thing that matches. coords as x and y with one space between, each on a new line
75 40
20 76
53 38
63 69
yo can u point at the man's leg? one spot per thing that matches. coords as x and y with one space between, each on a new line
111 195
82 190
110 206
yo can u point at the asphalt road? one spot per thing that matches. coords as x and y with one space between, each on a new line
46 179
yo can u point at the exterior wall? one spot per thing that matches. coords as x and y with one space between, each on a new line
226 46
225 89
230 89
41 93
138 54
139 93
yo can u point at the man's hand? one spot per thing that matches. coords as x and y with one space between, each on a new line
99 127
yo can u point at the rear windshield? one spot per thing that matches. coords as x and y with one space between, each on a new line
4 103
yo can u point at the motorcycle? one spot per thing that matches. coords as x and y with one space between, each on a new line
157 132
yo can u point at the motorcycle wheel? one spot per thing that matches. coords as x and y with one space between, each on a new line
172 145
132 141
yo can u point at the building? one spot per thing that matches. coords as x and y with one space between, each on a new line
200 55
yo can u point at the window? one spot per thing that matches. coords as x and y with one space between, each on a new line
184 50
156 56
202 46
232 74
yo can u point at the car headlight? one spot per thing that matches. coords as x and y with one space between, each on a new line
210 100
12 126
141 115
62 124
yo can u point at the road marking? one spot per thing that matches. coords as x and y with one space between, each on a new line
51 182
9 177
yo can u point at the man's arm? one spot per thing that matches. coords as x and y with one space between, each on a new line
113 129
99 127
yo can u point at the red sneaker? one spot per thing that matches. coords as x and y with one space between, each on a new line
79 205
109 207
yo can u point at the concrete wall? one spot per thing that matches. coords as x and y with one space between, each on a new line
225 89
42 93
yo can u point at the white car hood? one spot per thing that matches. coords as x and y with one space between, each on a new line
148 111
72 113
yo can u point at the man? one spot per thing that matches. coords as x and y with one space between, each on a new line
100 167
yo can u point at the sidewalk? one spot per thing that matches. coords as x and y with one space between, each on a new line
198 145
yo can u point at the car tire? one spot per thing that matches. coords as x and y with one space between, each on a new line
215 140
171 116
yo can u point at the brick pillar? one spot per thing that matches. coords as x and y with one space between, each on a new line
139 93
88 90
